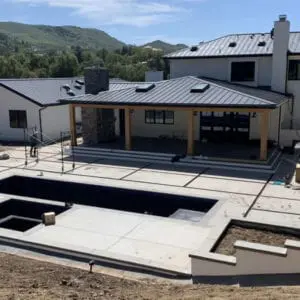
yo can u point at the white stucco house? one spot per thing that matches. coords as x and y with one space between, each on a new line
32 103
238 89
261 60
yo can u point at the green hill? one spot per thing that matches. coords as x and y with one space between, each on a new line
165 47
44 37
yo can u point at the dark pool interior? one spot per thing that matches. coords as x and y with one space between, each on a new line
22 215
154 203
19 224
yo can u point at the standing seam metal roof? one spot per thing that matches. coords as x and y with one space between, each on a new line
47 91
176 92
246 45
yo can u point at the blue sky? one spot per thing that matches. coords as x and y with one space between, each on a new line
140 21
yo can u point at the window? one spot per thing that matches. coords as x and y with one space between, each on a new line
159 117
243 71
17 118
294 70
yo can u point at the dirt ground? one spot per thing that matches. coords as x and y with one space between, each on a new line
23 278
235 233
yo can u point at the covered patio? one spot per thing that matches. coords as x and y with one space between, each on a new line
190 96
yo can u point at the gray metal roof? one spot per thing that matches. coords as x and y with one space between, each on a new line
42 91
47 91
176 92
115 86
246 45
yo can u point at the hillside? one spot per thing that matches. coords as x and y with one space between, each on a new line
44 37
165 47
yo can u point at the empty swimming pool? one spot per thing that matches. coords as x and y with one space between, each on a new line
159 204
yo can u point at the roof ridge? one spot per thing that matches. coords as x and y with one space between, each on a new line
238 92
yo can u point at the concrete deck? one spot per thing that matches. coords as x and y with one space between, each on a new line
151 240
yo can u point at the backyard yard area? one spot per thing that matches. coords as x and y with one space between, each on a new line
23 278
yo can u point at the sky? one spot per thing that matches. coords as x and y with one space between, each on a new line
141 21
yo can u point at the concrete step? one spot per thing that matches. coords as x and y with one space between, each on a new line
163 158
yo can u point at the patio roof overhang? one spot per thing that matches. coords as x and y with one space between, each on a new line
177 94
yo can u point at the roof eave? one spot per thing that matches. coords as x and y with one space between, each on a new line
218 56
177 105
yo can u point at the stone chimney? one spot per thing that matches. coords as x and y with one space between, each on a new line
96 80
98 124
281 37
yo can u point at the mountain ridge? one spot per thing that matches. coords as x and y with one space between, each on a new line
46 37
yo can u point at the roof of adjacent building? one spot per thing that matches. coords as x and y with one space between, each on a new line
177 92
245 45
47 91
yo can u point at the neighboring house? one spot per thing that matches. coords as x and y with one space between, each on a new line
261 60
33 103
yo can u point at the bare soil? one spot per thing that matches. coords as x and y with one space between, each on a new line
267 237
23 278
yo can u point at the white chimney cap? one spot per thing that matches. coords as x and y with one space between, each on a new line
282 18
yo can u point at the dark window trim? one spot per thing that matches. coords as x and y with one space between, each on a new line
17 116
295 76
164 117
242 62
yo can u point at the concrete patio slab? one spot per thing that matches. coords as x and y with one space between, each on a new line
104 221
48 166
279 191
236 175
226 185
278 205
69 238
158 254
157 177
172 234
99 170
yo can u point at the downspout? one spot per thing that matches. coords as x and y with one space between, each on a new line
279 127
41 123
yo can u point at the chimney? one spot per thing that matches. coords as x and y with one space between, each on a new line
280 49
96 80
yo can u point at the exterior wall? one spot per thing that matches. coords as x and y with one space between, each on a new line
251 259
55 119
293 87
177 130
220 68
11 101
273 126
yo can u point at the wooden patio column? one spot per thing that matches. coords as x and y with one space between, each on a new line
73 125
190 140
127 129
264 132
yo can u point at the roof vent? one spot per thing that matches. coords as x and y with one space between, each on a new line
66 87
200 88
194 48
252 36
71 93
232 44
144 87
261 44
81 82
78 86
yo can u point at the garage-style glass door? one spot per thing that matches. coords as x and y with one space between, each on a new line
224 126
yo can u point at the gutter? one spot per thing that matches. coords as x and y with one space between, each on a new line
40 120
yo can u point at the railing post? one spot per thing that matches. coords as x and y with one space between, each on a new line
25 145
62 152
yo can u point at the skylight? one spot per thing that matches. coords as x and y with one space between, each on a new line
200 88
143 88
71 93
81 82
232 44
194 48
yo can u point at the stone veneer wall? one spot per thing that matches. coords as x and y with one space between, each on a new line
98 125
89 125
